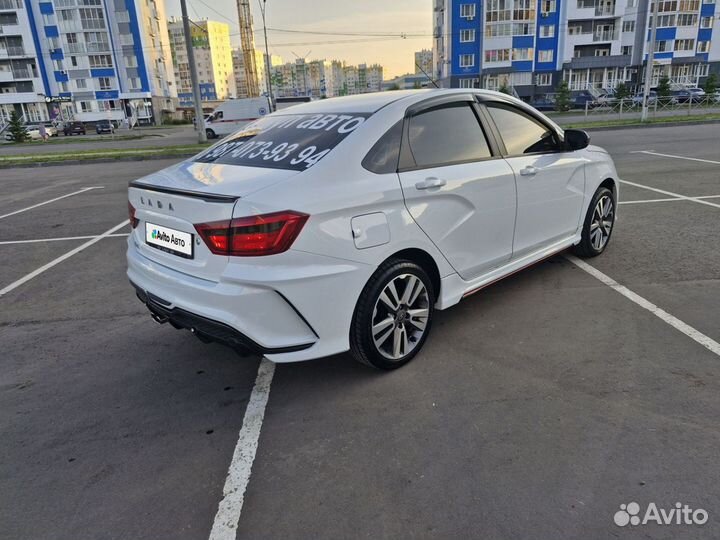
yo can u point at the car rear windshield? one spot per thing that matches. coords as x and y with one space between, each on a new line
292 141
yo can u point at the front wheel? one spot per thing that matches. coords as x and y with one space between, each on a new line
598 225
393 316
210 134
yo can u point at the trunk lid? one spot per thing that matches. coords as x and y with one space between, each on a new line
178 198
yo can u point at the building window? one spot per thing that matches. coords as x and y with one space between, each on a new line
522 54
575 30
547 31
100 60
631 3
667 6
469 83
628 26
547 6
80 84
467 60
467 36
663 21
85 106
498 29
497 55
104 83
543 79
602 52
689 6
545 56
467 11
663 46
703 46
687 19
706 22
585 4
684 44
497 11
627 50
523 29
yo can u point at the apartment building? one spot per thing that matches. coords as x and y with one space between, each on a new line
424 61
213 60
22 82
533 45
106 59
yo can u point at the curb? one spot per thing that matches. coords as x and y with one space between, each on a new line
37 164
645 126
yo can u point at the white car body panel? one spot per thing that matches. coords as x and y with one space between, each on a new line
235 114
485 223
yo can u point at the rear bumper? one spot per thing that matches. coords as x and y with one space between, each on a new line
289 307
207 329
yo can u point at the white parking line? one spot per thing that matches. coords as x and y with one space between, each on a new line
83 190
676 157
674 199
698 200
60 259
692 333
228 514
10 242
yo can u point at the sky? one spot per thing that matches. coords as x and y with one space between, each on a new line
345 17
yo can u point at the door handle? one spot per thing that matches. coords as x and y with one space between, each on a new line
429 183
529 171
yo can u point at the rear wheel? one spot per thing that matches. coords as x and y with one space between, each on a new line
598 225
393 316
210 133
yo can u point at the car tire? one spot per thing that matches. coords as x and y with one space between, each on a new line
598 225
210 134
393 315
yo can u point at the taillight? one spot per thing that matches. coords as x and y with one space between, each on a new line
268 234
131 216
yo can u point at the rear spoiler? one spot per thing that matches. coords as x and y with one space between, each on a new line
209 197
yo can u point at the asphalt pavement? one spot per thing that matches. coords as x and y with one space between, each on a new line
536 409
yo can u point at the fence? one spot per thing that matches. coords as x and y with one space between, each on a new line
657 106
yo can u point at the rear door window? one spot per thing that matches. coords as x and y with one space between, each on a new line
447 134
293 141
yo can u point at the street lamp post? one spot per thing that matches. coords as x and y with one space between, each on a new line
199 117
267 53
650 61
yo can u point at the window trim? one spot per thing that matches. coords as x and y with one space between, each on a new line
407 161
496 132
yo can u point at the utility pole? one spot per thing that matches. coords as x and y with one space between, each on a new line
267 54
199 117
650 60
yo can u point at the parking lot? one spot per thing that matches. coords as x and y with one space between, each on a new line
535 410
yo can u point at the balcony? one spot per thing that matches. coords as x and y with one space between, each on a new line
7 52
605 10
605 35
11 4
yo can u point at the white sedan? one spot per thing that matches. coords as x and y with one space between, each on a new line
342 224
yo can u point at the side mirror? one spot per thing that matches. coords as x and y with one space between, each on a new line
576 139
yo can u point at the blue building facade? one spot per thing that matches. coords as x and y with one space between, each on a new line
531 46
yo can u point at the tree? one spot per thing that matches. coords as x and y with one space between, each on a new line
17 129
711 84
622 91
504 89
394 86
562 99
663 87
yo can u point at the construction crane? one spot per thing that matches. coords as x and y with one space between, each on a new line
247 44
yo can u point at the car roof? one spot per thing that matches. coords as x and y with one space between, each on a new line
373 102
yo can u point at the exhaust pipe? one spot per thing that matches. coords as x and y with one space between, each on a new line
160 319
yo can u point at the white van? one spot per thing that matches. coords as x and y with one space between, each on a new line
234 114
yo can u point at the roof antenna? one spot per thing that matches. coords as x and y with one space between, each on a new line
428 76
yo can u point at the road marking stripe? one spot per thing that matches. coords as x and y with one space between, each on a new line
674 199
83 190
676 157
228 514
10 242
60 259
676 323
676 195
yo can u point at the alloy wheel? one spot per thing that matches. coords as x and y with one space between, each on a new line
400 316
602 222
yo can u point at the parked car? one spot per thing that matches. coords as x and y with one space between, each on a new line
104 126
580 99
544 103
238 246
653 98
74 128
606 98
33 132
688 95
